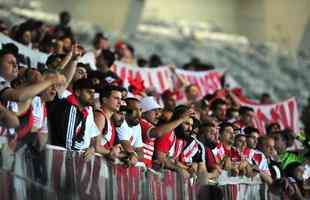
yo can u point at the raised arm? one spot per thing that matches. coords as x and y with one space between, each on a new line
158 131
25 93
68 67
7 118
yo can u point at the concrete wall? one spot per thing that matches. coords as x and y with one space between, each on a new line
286 21
250 19
282 21
221 12
110 15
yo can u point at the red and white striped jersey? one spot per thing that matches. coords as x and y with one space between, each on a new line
148 142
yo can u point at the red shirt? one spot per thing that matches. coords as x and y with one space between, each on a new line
170 145
148 143
220 152
165 143
210 159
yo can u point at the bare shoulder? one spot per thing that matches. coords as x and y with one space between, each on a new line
99 119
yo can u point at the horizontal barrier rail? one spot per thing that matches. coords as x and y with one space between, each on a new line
59 174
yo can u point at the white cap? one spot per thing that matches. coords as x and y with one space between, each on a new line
132 96
149 103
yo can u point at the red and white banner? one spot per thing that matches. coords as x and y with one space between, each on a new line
161 78
285 113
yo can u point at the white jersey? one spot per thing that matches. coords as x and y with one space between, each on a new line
132 134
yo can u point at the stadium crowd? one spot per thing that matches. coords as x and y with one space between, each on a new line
85 107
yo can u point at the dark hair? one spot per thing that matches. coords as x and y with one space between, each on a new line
178 111
290 168
67 35
216 103
131 49
230 112
205 101
26 26
106 91
10 48
84 83
244 109
141 62
223 126
206 125
98 37
85 66
269 127
96 74
248 130
196 123
48 41
263 140
108 56
64 14
265 94
284 135
130 99
155 60
239 135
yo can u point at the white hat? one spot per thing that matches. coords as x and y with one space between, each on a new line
149 103
132 96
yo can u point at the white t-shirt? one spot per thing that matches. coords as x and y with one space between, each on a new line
91 131
132 134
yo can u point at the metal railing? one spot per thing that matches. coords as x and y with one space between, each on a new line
59 174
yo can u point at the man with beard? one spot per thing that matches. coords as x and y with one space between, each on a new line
129 133
151 112
74 128
208 135
178 150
